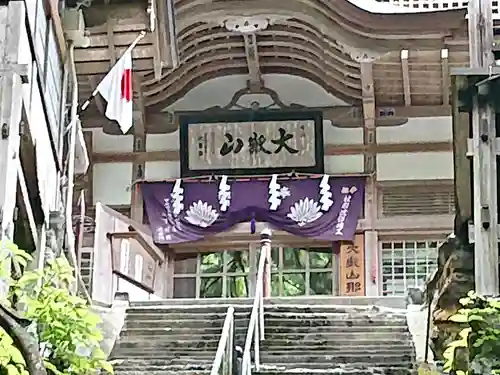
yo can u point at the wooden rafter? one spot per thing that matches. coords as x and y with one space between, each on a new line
290 45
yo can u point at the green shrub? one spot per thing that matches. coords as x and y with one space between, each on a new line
66 328
477 348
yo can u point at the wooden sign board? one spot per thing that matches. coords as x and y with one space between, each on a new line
251 142
352 267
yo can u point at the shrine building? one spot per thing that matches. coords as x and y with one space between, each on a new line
322 120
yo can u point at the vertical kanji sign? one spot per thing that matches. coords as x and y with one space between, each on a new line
352 267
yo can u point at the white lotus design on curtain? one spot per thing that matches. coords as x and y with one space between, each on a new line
305 211
201 214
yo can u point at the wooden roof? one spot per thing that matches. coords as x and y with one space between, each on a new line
322 40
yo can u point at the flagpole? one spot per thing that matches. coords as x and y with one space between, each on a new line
87 102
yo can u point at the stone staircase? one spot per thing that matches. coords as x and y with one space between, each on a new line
331 339
300 338
182 340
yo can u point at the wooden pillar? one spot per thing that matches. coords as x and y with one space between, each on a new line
370 167
12 22
169 274
484 137
461 162
139 165
88 183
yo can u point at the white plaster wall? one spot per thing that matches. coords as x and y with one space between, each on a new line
103 142
390 166
161 170
415 166
161 142
342 164
341 136
423 129
291 89
111 183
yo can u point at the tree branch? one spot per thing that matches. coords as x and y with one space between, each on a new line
27 345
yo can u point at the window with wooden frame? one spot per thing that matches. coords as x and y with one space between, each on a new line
411 198
218 274
295 271
303 271
47 58
407 264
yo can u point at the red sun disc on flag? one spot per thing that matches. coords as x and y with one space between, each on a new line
126 85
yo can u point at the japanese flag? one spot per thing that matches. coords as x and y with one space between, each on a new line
116 89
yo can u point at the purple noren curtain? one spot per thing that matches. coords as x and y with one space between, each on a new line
323 208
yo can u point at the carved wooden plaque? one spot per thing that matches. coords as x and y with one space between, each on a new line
352 267
239 143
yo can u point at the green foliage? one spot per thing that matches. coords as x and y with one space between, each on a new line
66 327
477 347
11 359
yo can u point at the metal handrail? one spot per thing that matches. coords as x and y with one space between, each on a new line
224 356
256 322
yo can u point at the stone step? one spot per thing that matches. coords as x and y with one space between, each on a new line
166 367
269 330
324 353
194 353
389 301
268 323
189 310
177 355
145 362
344 347
358 359
293 355
334 339
180 316
209 315
164 372
346 370
337 338
194 342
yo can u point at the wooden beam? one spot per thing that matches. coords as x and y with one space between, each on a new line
461 163
99 103
370 167
138 166
445 76
252 55
110 25
89 184
330 150
405 70
342 116
27 204
157 32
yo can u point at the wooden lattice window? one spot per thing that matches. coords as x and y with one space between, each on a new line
407 264
417 199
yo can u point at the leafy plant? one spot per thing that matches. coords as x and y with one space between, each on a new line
66 328
11 359
477 347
